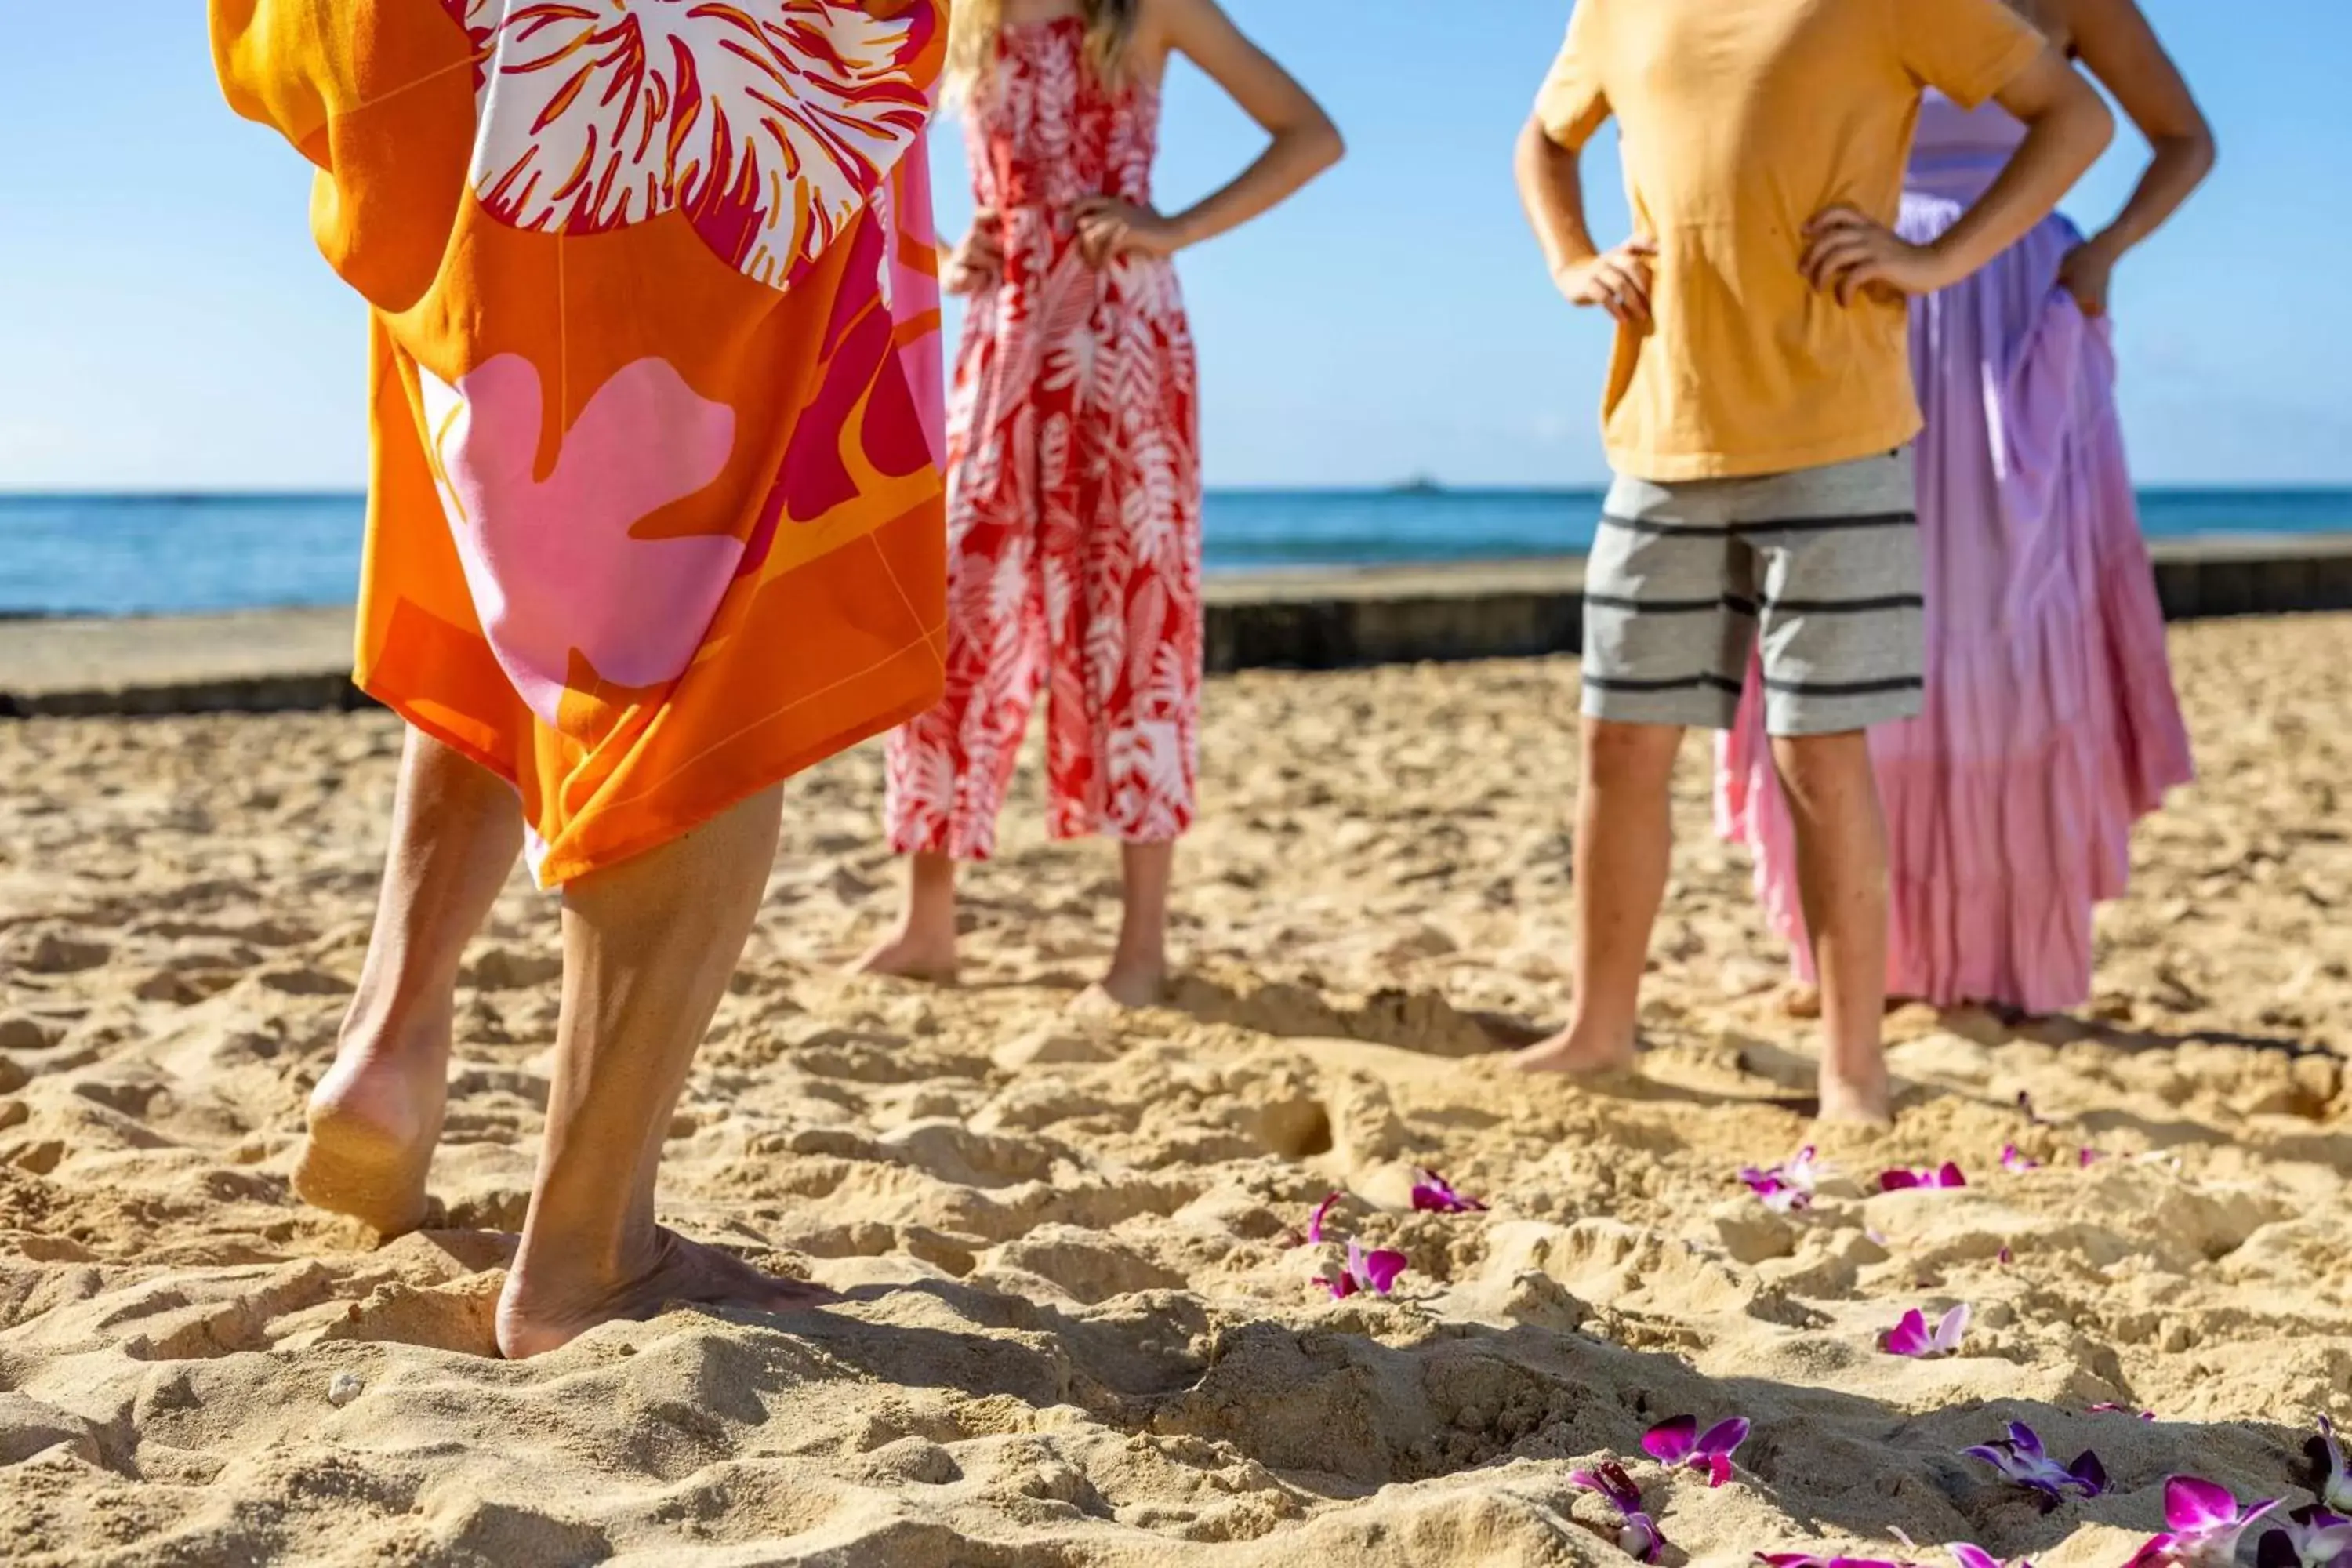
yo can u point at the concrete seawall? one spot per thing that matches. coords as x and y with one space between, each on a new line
278 660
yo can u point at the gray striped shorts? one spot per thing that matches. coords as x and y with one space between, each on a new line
1819 569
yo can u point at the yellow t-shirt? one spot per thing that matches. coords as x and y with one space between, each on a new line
1739 121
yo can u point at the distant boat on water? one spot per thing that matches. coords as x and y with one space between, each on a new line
1418 485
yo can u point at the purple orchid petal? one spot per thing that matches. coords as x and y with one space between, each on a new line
1315 1225
1378 1270
1639 1538
2192 1504
1911 1337
1808 1560
2089 1157
1610 1479
2310 1537
1671 1442
1341 1286
1433 1193
2020 1459
1723 1439
2005 1257
1948 1174
2014 1162
1973 1556
2330 1479
2111 1408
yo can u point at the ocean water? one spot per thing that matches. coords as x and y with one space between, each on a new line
94 555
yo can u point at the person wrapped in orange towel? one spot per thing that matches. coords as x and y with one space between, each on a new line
656 522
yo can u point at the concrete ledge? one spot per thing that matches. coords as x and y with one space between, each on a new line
279 660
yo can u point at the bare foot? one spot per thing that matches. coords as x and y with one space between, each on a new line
910 954
535 1319
1864 1099
374 1119
1134 982
1578 1055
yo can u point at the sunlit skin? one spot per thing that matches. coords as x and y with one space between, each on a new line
2113 40
1301 143
1623 833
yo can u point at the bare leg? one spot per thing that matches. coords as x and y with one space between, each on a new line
648 948
375 1117
1624 840
924 945
1841 880
1139 969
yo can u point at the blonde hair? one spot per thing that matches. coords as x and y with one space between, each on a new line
974 26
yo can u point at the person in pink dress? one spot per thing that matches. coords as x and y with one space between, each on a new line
1074 487
2051 725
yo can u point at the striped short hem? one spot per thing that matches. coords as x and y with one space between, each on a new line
1815 575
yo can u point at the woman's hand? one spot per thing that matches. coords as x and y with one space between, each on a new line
2087 273
978 264
1617 280
1847 252
1108 227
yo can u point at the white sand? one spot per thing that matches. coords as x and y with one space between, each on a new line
1077 1333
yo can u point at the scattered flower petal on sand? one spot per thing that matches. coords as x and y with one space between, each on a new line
2020 1459
1315 1225
1680 1442
2204 1526
1788 1187
1638 1534
1433 1193
2330 1480
1900 1180
2109 1407
2015 1163
1375 1271
1912 1337
2312 1538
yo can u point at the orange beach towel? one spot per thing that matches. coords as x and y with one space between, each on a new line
655 516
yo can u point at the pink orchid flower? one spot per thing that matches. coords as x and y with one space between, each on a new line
1680 1442
1912 1337
2019 1458
1315 1224
1433 1193
1638 1535
1808 1560
2014 1162
2312 1538
2204 1526
2330 1477
1899 1181
1788 1187
1374 1271
2109 1407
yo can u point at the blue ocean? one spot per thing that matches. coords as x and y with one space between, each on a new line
114 555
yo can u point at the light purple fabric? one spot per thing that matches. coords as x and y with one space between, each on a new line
2051 723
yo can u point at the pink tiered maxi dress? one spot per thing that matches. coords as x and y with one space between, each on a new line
2051 723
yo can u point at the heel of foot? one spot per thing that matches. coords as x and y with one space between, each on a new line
351 1166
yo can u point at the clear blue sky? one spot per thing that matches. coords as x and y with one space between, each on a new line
167 324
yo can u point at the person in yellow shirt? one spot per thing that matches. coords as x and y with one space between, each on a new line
1757 413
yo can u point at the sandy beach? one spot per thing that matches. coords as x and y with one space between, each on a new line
1080 1326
